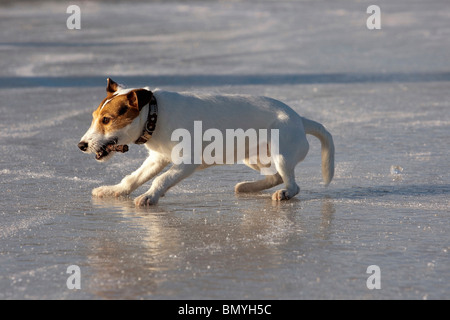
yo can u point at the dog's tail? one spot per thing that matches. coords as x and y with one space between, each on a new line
318 130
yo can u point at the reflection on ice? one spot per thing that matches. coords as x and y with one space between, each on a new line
187 244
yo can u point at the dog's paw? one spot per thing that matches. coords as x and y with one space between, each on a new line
146 200
243 187
109 191
285 194
281 195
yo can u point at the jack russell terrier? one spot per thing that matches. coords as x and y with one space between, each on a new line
141 116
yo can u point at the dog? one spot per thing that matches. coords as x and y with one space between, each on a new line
140 116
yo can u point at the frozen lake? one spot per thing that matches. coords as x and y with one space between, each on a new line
383 94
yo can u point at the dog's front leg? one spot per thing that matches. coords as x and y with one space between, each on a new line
164 182
150 168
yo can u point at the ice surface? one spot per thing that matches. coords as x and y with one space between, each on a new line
395 170
383 94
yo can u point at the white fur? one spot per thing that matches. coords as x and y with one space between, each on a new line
180 110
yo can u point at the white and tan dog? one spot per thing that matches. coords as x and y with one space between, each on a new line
128 116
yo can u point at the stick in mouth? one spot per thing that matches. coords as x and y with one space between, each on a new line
117 148
100 155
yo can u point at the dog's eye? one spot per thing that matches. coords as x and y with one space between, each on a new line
106 120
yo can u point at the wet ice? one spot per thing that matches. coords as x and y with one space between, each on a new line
383 94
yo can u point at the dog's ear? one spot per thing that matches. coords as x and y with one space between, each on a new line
111 87
139 98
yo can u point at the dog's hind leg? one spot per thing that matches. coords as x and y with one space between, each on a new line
293 148
268 182
272 178
255 186
287 174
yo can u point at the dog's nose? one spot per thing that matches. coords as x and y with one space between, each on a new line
83 146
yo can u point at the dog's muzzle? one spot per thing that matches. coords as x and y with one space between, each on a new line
105 148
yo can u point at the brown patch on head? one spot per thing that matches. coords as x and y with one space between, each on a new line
139 98
116 112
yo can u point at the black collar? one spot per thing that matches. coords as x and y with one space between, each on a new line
150 124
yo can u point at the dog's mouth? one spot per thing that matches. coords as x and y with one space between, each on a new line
101 155
110 148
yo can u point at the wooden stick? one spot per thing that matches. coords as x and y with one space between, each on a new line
122 148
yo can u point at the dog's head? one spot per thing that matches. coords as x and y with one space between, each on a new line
117 120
